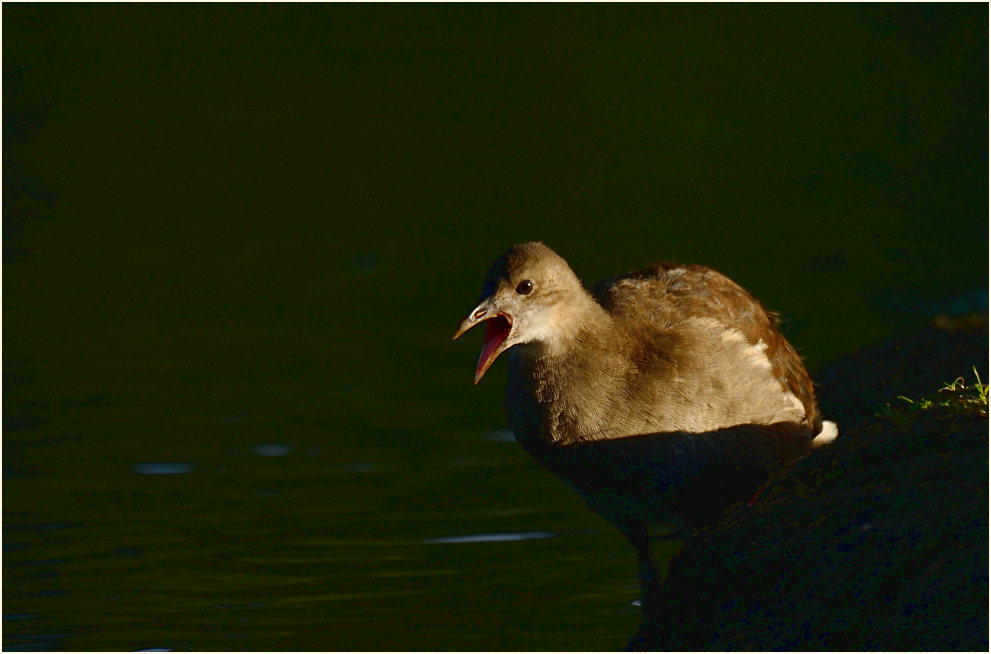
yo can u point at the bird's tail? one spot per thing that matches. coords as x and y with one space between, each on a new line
827 435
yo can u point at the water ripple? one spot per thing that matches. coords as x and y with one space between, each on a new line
502 537
163 468
272 449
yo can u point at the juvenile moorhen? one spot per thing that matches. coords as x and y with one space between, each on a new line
662 397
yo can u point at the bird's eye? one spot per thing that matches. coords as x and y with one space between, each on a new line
524 287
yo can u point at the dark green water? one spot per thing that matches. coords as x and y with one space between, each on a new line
237 241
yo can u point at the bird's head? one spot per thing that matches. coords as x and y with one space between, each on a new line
528 297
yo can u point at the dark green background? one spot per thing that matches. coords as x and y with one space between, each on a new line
234 225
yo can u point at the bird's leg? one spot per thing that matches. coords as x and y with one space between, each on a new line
649 574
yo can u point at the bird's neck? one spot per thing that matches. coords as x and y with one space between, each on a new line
561 391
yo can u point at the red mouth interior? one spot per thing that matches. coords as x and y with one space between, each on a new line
497 330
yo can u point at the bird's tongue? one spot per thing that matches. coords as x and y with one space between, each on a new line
496 331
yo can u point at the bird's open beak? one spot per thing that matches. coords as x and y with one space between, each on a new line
498 325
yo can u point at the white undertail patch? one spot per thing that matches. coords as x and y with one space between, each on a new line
828 434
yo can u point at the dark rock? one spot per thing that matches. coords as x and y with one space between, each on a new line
855 387
876 542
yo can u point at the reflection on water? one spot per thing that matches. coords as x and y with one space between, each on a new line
492 538
171 468
272 449
501 436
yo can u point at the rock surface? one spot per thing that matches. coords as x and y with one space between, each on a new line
879 541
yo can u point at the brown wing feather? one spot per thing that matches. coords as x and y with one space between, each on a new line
667 293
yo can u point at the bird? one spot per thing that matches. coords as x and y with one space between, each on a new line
662 396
